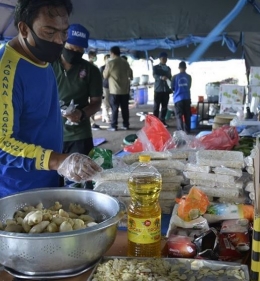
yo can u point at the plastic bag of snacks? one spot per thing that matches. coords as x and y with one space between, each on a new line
193 205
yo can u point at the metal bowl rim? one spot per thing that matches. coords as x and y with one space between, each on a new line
104 224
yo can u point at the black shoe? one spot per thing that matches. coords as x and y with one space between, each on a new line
124 128
95 127
112 129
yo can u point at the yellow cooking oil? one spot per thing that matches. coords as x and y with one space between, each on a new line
144 211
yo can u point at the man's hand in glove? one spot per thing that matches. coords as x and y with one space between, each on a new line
78 167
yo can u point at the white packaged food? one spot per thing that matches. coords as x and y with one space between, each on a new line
167 172
250 187
210 177
196 168
134 157
250 170
117 174
215 158
176 179
227 171
168 195
219 192
168 164
112 188
179 154
236 185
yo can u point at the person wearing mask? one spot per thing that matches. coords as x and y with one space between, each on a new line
117 71
105 100
92 58
81 81
31 128
162 76
181 84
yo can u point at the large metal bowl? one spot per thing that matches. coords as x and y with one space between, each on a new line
59 253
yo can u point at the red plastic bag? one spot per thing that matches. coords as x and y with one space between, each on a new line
152 137
223 138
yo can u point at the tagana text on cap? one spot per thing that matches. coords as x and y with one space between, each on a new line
78 35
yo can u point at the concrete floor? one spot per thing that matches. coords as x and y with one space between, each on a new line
114 140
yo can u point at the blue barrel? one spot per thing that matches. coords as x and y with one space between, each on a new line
193 121
141 95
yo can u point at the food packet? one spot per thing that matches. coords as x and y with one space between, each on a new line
66 110
103 157
192 205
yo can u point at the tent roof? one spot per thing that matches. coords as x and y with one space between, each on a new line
121 20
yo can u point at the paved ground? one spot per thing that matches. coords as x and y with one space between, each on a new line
114 140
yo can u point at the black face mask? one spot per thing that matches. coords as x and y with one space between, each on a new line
44 50
72 57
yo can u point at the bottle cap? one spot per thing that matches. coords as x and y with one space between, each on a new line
144 158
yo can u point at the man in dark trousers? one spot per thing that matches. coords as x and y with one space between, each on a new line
161 74
181 84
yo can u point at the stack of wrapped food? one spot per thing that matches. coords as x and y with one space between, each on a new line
170 165
220 174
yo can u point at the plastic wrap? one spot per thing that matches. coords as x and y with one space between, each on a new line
196 168
173 179
215 158
236 185
132 158
167 172
112 188
250 187
218 212
120 188
227 171
209 177
115 174
78 168
180 140
249 159
250 170
220 192
170 164
67 110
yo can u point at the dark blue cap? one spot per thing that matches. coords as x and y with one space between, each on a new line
163 55
78 35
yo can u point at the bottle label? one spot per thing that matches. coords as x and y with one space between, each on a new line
144 231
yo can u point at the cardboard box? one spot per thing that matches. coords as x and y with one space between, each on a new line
231 94
254 76
234 239
253 91
230 108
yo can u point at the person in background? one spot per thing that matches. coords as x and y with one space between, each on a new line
117 71
162 75
92 57
31 127
181 84
105 100
131 76
81 81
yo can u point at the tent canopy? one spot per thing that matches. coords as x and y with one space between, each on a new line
144 27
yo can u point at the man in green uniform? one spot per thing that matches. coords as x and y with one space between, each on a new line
81 81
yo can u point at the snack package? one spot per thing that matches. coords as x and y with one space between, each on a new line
181 247
103 157
192 205
234 239
221 211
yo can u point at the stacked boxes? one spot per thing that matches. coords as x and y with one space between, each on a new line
231 98
254 83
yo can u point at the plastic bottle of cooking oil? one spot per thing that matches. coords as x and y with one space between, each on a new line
144 211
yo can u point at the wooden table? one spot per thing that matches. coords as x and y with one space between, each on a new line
119 248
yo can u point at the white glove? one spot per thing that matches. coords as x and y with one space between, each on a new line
78 168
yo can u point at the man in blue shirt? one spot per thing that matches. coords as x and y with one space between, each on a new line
181 84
